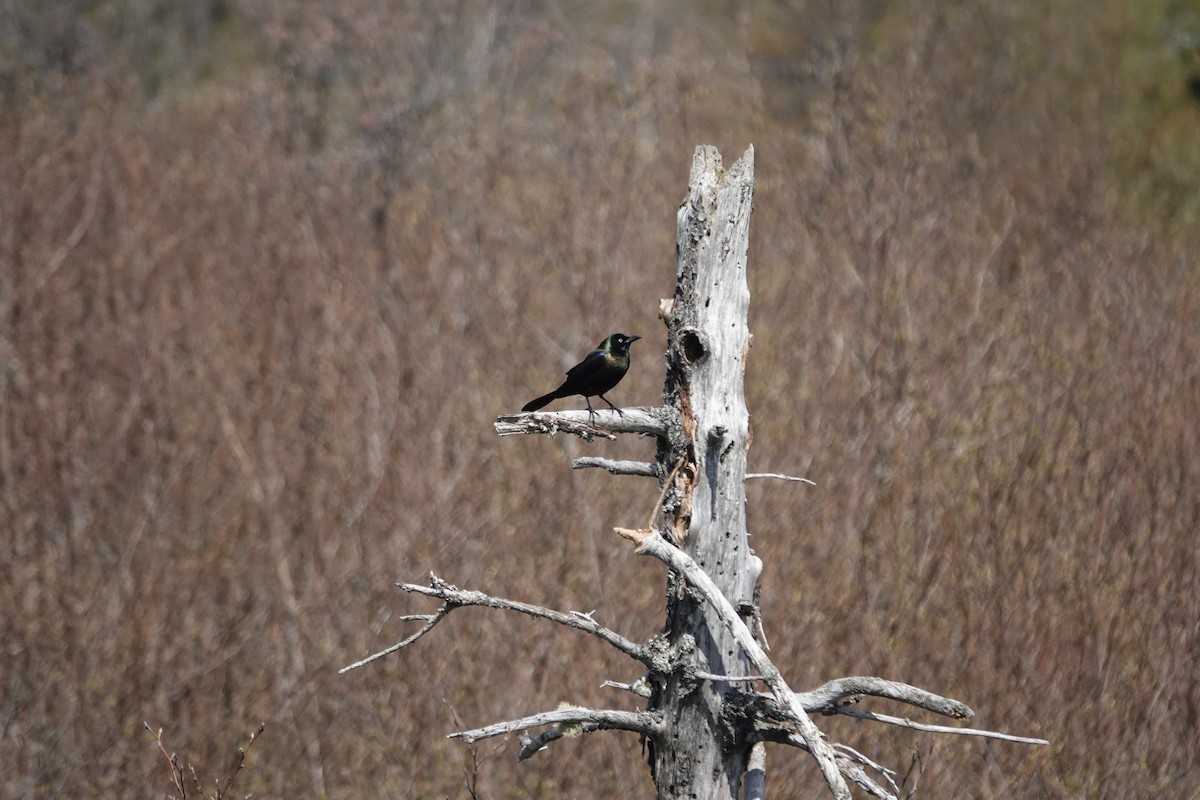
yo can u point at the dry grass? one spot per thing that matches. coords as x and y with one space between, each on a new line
265 284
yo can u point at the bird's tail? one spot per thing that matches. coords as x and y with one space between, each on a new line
535 404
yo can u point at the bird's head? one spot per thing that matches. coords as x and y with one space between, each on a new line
618 344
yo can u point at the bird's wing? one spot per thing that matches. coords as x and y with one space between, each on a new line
591 362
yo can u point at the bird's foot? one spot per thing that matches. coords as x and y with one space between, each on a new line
620 413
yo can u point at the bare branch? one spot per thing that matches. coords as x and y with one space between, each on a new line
780 477
452 597
550 423
430 621
856 774
532 745
649 542
836 696
640 468
583 622
172 759
471 770
177 774
603 423
921 726
849 754
708 676
241 763
850 762
829 696
640 687
594 719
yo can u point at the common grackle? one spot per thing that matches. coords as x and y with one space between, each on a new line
600 371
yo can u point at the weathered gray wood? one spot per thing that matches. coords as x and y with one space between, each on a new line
641 469
603 423
595 719
708 339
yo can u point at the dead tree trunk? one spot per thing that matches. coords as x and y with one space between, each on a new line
704 722
708 435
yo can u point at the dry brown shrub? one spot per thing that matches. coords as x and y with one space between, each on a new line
257 314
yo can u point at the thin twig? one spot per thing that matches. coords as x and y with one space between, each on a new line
916 769
666 487
172 759
241 763
888 774
921 726
849 767
780 477
431 620
643 722
640 687
177 773
470 773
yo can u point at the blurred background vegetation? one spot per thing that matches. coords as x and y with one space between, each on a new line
268 270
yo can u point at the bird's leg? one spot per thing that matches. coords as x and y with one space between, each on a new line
591 411
614 408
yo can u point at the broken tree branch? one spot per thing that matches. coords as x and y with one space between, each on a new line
597 719
603 423
779 476
644 469
640 687
452 597
829 696
430 621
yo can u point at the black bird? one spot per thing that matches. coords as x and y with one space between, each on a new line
600 371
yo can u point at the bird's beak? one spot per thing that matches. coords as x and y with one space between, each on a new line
633 339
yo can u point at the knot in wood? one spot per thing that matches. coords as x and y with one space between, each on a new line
692 345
